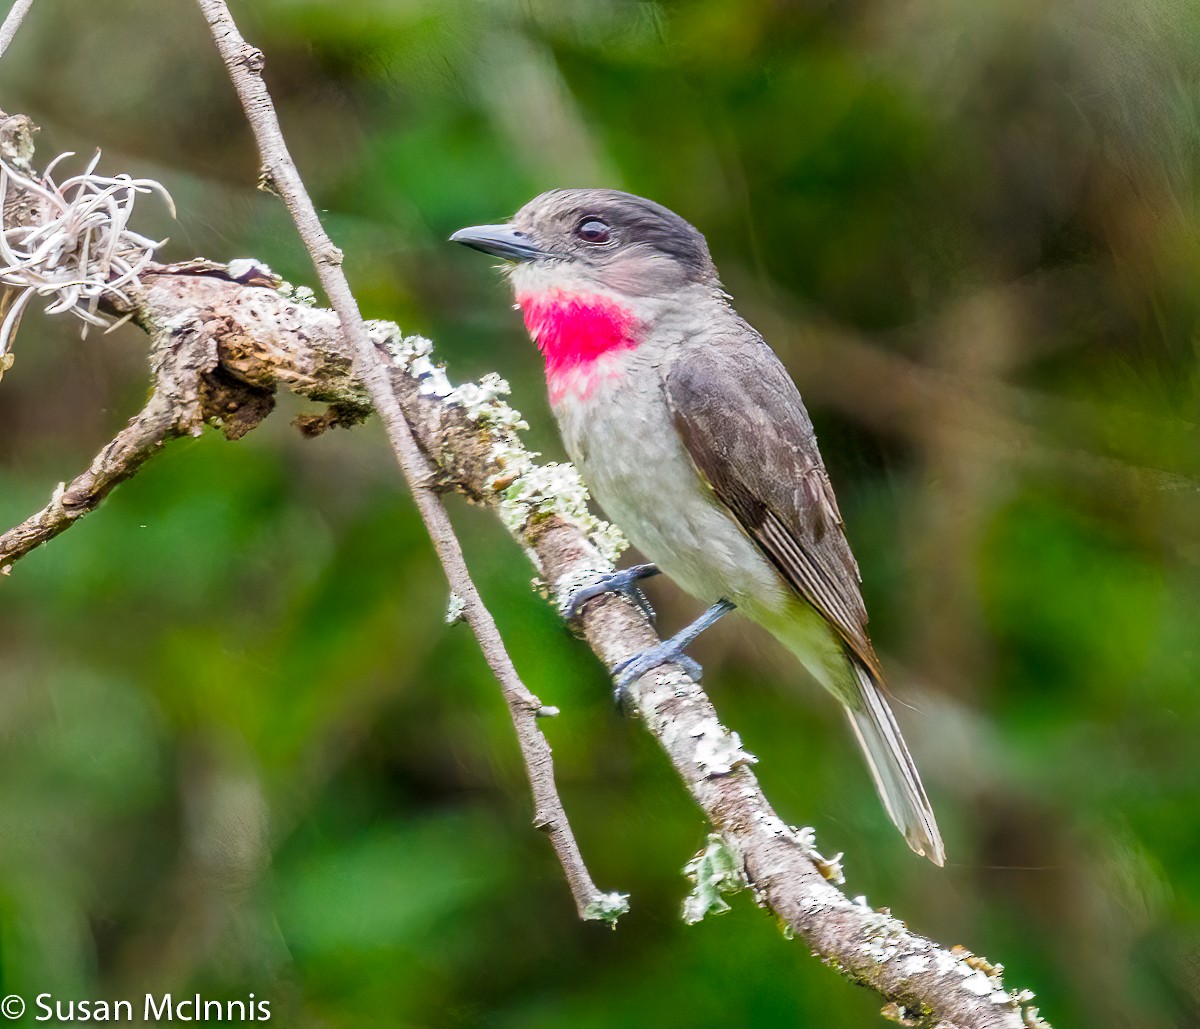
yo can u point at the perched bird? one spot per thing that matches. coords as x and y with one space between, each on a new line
693 438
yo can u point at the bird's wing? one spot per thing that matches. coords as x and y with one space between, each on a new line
745 427
743 423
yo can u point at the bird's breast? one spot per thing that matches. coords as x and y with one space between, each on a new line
582 337
622 438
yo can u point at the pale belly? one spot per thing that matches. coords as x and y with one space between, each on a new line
637 470
623 442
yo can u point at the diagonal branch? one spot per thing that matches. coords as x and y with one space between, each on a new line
12 22
154 425
245 64
238 342
175 408
469 435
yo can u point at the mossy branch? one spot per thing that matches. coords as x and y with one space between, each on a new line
224 339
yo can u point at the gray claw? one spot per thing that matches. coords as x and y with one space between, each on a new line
668 652
626 672
623 582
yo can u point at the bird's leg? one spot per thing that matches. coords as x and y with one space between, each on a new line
632 668
623 582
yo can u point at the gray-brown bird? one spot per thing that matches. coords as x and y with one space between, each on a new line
694 440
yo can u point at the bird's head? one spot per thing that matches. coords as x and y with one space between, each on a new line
596 240
594 271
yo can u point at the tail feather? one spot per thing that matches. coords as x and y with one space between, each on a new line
893 769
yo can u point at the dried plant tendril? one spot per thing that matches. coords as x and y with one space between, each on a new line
78 248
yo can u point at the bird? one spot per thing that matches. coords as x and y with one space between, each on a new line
691 435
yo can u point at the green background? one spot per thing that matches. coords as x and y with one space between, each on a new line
239 749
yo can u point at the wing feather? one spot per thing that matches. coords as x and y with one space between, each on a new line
745 427
743 423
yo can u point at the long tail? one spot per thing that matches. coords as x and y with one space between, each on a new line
893 769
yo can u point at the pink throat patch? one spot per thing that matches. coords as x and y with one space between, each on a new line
575 332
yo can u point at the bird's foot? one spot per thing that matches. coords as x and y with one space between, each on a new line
633 668
625 673
623 582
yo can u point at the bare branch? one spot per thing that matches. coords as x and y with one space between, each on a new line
245 64
12 22
175 408
114 464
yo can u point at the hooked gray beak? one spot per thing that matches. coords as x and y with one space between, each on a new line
499 241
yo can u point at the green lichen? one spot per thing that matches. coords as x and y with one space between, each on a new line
714 871
608 907
454 609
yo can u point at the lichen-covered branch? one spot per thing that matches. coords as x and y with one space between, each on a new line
265 339
225 339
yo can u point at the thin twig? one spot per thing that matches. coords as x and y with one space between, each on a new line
175 408
12 22
245 64
121 458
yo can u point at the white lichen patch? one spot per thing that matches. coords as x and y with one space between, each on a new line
79 249
944 963
572 581
805 836
880 951
718 750
300 294
714 871
608 539
531 490
608 907
403 349
813 904
885 935
980 978
535 489
247 269
432 380
455 609
914 964
413 354
483 402
978 983
527 490
775 825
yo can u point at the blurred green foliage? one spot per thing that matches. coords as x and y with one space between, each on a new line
242 752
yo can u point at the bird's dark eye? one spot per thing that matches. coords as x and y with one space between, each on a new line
593 230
